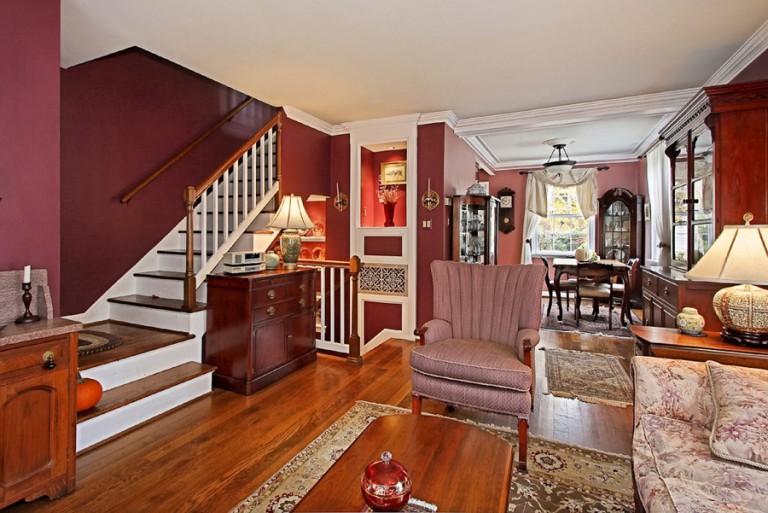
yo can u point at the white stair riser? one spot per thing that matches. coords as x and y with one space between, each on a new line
175 262
162 287
117 421
124 371
158 318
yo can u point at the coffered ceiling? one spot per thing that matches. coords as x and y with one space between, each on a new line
508 74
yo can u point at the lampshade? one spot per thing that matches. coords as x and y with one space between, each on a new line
562 164
739 254
291 215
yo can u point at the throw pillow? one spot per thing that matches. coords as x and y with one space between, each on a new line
740 430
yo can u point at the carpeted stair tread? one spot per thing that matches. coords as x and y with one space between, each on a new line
136 390
135 340
161 303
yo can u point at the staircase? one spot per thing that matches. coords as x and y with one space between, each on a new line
160 366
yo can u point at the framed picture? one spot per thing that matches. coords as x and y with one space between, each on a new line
393 172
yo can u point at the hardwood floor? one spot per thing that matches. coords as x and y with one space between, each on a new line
209 455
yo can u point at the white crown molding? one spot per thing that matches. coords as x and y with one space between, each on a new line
748 52
447 116
653 136
366 124
311 121
339 130
482 152
657 103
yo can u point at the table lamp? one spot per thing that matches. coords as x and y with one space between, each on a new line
739 254
291 217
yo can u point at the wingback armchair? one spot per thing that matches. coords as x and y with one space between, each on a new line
477 350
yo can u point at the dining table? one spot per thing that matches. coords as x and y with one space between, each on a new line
569 267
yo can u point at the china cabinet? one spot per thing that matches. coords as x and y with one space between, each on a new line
620 233
475 229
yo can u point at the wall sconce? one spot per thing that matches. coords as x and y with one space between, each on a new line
340 201
430 199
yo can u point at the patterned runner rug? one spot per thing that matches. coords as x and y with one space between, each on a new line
589 377
586 323
560 479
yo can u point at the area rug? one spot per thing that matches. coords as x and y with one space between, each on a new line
560 478
586 323
92 341
589 377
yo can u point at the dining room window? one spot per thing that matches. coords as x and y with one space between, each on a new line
564 229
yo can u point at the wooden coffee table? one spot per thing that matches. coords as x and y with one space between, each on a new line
454 465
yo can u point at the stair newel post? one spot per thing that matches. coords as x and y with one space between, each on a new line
354 338
190 285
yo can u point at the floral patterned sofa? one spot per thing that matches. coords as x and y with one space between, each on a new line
700 440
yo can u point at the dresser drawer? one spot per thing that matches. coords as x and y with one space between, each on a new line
650 283
34 357
667 291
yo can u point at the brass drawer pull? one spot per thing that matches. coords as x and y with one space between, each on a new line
271 294
303 287
666 291
302 302
271 311
49 361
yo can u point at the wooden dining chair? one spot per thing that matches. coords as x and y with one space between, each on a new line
566 286
620 286
594 281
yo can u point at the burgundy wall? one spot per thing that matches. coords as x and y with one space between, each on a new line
757 70
379 316
368 187
30 138
123 116
337 238
306 160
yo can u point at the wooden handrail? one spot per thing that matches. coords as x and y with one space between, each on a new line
154 176
338 264
203 186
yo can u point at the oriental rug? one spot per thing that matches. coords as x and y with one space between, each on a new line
560 478
589 377
587 324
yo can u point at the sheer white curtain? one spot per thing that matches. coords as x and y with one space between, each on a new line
585 181
659 191
531 219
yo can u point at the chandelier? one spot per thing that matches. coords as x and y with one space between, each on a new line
562 164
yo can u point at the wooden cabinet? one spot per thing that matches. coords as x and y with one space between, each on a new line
475 229
666 291
620 233
718 149
38 367
261 327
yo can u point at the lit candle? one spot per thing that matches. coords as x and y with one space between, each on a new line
429 185
337 188
27 274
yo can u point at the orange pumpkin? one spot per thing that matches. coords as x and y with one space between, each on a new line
88 393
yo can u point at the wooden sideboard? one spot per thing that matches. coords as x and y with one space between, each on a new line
666 291
261 327
38 376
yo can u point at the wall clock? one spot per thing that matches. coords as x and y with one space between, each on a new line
506 210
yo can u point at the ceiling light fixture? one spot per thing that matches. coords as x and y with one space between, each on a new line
561 165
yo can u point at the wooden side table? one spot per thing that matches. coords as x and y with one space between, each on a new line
670 343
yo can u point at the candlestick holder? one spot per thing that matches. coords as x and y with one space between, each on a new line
26 298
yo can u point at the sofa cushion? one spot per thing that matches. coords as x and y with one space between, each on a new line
696 480
473 361
740 430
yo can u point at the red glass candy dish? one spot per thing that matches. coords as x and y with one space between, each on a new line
386 484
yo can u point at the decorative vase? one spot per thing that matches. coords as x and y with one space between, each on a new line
389 214
689 322
271 260
584 254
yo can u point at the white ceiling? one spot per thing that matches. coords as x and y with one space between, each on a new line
508 74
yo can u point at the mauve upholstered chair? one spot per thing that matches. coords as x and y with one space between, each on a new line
477 350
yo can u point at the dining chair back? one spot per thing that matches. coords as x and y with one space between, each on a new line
594 281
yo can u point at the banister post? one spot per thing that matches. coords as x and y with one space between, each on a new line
190 285
354 339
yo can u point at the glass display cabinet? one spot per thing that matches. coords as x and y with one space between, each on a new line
620 234
693 229
475 229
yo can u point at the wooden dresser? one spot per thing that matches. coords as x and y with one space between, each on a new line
666 291
261 327
38 377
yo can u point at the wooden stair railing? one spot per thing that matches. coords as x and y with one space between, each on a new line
162 169
338 285
250 179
